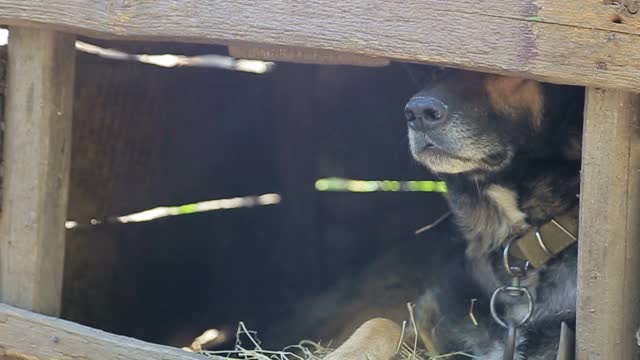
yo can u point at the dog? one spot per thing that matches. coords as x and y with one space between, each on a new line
509 150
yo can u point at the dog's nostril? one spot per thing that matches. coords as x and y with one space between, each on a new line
409 115
432 114
425 112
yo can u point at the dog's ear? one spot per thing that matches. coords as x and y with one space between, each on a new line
512 96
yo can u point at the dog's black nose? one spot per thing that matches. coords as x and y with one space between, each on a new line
425 112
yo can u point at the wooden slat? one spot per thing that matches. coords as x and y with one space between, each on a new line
27 335
609 258
585 42
39 98
302 55
3 83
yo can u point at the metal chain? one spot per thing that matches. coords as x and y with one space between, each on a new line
515 289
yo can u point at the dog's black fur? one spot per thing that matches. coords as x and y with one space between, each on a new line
509 151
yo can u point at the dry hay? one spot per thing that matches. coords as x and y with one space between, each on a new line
408 348
305 350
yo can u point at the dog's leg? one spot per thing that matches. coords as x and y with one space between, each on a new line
376 339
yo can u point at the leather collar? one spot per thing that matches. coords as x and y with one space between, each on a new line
540 245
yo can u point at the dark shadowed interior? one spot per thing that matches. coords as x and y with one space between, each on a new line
312 266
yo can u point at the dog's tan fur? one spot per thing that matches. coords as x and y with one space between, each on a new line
376 339
513 96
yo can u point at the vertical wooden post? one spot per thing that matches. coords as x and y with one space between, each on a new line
39 97
609 250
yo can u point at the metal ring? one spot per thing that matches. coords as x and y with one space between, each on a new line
507 264
542 244
502 289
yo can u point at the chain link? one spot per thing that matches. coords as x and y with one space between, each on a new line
515 289
510 290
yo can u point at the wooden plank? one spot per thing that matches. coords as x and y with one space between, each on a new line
3 83
40 82
27 335
609 258
584 42
302 55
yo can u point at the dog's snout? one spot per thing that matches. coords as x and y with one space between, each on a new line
425 112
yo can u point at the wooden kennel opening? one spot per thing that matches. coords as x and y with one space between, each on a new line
592 43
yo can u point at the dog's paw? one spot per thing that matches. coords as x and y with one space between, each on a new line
376 339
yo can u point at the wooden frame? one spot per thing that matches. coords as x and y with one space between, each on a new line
37 154
609 262
592 43
52 338
583 42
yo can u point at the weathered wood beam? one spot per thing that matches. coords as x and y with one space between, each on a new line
39 97
302 55
27 335
584 42
609 251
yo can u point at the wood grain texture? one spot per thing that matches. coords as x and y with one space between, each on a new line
302 55
609 251
39 97
26 335
584 42
3 83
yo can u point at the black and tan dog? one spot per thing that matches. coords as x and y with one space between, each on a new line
509 151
